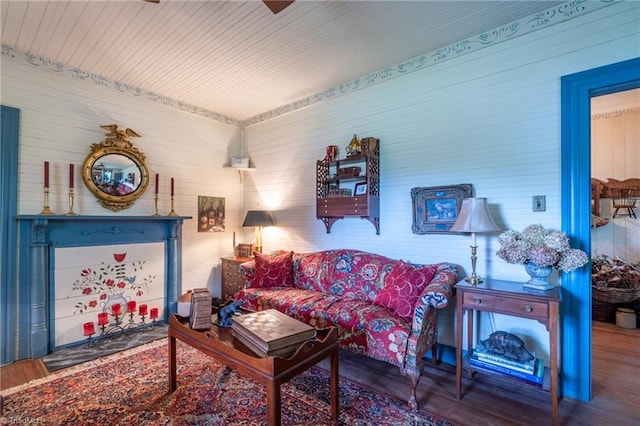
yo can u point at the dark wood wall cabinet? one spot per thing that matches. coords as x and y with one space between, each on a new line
232 280
350 187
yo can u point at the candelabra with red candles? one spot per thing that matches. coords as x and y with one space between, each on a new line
117 327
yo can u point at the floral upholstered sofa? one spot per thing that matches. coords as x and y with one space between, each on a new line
383 308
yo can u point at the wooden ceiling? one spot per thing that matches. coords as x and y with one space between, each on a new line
236 57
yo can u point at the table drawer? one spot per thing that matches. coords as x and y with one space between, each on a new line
343 206
231 269
232 280
506 305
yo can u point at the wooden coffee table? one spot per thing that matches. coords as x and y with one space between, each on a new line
219 343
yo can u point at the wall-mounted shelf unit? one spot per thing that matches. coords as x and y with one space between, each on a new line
349 187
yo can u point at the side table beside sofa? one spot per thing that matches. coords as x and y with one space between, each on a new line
509 298
383 308
232 280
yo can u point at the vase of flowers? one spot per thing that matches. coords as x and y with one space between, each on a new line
540 251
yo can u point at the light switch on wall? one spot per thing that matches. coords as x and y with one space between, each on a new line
539 203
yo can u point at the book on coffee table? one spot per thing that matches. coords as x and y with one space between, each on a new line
270 330
280 352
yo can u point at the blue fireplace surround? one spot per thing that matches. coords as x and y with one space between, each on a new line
40 235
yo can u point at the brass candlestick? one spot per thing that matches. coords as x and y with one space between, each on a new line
474 279
172 212
155 202
71 212
46 209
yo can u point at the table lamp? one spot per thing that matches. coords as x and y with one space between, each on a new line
474 217
259 219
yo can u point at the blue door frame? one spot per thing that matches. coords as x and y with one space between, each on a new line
576 93
8 230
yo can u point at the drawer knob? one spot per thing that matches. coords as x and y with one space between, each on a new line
528 308
478 301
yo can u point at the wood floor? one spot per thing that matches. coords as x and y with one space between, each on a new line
487 400
490 401
21 372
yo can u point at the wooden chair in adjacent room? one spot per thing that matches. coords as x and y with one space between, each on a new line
624 195
597 192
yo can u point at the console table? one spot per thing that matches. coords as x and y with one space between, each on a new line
509 298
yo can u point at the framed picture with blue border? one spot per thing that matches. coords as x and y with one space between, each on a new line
436 208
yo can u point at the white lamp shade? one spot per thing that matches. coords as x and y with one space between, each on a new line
474 216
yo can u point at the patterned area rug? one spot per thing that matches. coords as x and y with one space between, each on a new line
130 388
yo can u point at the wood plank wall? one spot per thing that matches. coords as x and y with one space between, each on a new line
615 146
60 119
615 143
490 118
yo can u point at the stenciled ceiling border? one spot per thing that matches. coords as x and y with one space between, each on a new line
617 113
544 19
78 74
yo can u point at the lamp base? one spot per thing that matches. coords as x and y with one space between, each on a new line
473 279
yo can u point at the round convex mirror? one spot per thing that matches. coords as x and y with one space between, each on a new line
115 171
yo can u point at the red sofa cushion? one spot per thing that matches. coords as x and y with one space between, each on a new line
403 286
273 271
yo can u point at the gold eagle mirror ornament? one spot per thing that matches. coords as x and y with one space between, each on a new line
115 171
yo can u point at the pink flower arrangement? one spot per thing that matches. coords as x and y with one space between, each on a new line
541 247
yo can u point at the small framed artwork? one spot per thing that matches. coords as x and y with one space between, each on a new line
360 189
436 208
211 214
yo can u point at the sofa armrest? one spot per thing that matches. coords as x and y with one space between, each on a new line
441 287
436 295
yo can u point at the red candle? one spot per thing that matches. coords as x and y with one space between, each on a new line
46 174
116 309
89 329
154 313
71 176
103 318
142 310
172 187
157 183
131 306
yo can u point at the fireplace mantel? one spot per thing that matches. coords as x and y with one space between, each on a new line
40 235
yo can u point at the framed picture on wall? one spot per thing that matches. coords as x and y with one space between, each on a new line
360 189
211 214
436 208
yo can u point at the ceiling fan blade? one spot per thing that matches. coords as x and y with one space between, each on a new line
277 6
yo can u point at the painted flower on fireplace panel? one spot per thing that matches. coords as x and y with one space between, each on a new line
110 279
